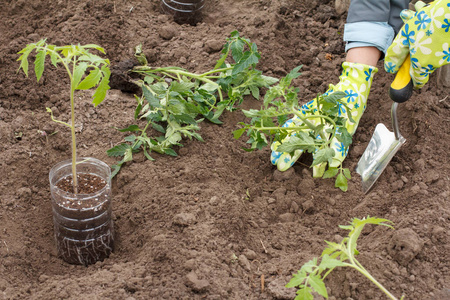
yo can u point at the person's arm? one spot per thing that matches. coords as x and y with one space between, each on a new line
373 23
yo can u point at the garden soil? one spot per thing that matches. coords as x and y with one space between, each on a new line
215 222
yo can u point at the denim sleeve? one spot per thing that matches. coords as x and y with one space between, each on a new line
387 11
373 23
364 34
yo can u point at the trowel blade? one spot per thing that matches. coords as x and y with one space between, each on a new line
382 147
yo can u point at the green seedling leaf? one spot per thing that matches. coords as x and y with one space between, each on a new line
297 279
237 49
341 182
79 71
318 285
39 63
24 57
323 155
347 173
91 80
159 128
131 128
116 168
181 87
328 262
150 97
301 141
247 60
170 152
304 293
238 133
118 150
130 138
103 87
330 173
336 255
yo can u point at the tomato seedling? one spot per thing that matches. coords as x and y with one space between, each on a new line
312 274
77 61
174 101
315 127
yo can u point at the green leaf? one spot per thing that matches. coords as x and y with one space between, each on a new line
237 50
170 152
330 173
130 138
297 279
181 87
333 97
304 293
323 155
23 58
131 128
53 56
151 99
330 263
96 47
149 79
347 173
210 87
103 87
79 72
255 91
317 284
118 150
302 141
309 266
91 80
246 61
221 61
116 168
293 74
341 182
39 63
185 118
238 133
158 127
147 155
138 111
128 155
268 81
344 137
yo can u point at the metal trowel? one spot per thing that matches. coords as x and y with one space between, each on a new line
384 144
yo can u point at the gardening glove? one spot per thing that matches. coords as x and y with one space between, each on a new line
355 82
425 37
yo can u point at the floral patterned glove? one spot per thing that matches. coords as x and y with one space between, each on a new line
355 82
426 37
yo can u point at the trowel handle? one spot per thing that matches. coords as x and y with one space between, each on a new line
402 87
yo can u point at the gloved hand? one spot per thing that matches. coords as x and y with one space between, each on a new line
426 37
355 82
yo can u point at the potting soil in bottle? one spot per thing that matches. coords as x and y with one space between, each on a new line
84 231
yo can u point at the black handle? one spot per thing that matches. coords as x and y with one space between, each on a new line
401 88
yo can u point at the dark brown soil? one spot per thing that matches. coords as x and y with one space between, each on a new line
87 183
214 221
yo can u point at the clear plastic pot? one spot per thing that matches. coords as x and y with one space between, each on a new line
184 11
84 231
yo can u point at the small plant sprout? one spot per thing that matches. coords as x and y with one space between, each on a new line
310 278
77 61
